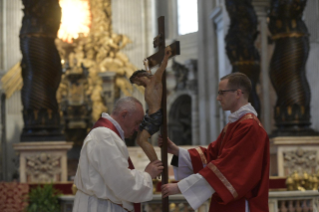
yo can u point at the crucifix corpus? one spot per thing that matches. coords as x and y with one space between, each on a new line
155 97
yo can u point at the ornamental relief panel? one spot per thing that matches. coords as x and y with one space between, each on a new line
300 160
43 167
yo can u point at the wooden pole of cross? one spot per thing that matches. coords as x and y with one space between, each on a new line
156 59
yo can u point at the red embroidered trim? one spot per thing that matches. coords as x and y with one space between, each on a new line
222 178
202 156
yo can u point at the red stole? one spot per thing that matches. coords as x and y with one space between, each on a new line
103 122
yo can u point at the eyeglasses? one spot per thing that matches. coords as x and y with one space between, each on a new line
221 92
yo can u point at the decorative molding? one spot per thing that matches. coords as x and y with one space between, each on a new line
300 160
43 167
297 154
43 161
295 140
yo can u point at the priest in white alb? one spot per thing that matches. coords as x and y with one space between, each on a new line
106 179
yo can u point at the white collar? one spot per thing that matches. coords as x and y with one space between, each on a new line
117 126
241 112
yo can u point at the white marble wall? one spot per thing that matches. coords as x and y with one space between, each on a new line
311 17
10 24
135 19
207 74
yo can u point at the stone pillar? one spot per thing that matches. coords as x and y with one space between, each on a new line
108 87
220 23
261 7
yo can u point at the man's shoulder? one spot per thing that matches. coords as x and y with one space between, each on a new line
102 133
249 119
100 129
251 122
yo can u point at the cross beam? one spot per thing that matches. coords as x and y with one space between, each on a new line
157 58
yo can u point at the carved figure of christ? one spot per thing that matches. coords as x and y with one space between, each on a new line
153 97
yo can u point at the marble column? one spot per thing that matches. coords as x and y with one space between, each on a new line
261 7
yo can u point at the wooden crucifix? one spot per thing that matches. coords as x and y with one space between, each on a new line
155 97
156 59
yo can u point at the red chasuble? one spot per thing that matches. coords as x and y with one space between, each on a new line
236 166
103 122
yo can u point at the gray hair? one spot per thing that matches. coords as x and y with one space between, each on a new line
127 103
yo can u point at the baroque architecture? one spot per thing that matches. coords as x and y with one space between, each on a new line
275 42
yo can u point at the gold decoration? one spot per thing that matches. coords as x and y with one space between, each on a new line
246 62
289 110
289 35
74 189
99 52
302 182
290 183
294 23
12 80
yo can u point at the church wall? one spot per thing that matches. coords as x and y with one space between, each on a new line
135 19
311 17
312 71
10 24
131 18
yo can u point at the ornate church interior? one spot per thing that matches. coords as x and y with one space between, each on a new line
65 62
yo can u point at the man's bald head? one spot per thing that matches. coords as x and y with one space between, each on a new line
129 103
128 112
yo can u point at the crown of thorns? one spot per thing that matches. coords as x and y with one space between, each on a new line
138 73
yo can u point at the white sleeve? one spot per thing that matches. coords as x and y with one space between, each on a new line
196 190
106 157
185 167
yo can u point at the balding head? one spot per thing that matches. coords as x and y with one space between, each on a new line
128 112
127 103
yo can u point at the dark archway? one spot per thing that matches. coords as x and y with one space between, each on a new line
180 121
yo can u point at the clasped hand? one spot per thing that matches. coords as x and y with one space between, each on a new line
170 189
154 168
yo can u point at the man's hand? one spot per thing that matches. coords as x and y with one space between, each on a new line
154 168
171 147
170 189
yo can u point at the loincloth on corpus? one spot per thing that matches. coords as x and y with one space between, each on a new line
151 123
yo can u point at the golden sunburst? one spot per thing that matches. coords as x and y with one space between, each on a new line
76 19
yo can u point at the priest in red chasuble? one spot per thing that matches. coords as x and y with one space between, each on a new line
234 169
